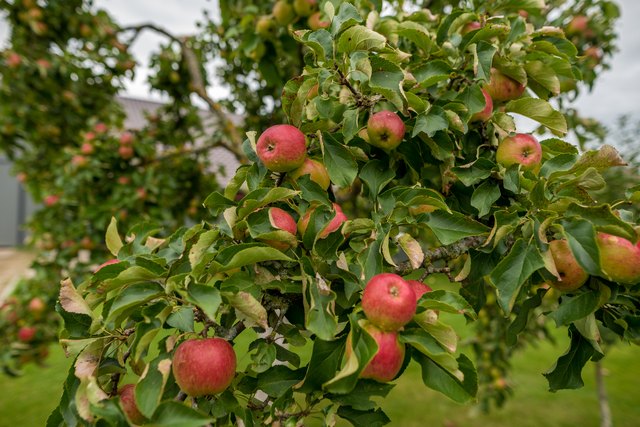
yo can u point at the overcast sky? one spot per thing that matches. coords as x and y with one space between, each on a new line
616 92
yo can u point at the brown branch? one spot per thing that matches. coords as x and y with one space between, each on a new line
115 378
197 82
447 252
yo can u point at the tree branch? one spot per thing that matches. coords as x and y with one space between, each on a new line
447 252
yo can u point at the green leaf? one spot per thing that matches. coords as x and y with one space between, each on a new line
325 361
176 414
339 161
133 296
277 380
575 307
247 254
431 73
320 313
484 196
427 345
217 203
513 271
386 79
262 197
376 175
359 37
360 397
540 111
248 307
430 123
133 274
112 238
439 379
451 227
520 322
567 371
482 59
602 159
604 219
447 301
371 418
581 235
347 16
475 173
206 298
150 388
543 75
417 33
182 319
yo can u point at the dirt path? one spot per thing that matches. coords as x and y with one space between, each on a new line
13 263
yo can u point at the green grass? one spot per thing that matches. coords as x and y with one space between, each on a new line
28 400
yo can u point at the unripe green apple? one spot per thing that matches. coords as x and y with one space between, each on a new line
129 405
388 301
503 88
204 366
619 258
487 111
283 12
387 361
282 148
385 129
572 275
305 8
315 22
522 149
335 223
266 27
316 171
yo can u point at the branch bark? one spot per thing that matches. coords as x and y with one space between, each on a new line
447 252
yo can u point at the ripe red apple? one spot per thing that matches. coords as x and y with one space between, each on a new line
388 301
335 223
89 136
281 220
141 192
126 138
316 171
124 180
26 333
13 60
419 288
385 129
204 366
579 25
79 160
503 88
100 127
387 361
593 56
129 405
51 199
315 22
304 8
86 148
266 27
125 151
485 114
21 177
282 148
36 306
283 12
619 258
522 149
572 275
470 26
43 63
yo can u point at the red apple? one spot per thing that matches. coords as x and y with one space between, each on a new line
282 148
335 223
315 22
89 136
388 301
43 63
579 26
572 275
26 333
387 361
521 149
79 160
13 60
593 55
385 129
485 114
86 148
503 88
21 177
126 138
281 220
305 8
141 192
51 199
125 151
283 12
316 171
619 258
100 127
124 180
419 288
470 26
129 405
36 306
204 366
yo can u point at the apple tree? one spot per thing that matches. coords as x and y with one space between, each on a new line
391 155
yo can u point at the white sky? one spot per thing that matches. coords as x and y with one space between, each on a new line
616 92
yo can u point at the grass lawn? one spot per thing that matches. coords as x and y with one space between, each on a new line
28 400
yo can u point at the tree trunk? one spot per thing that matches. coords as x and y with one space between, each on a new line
603 400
